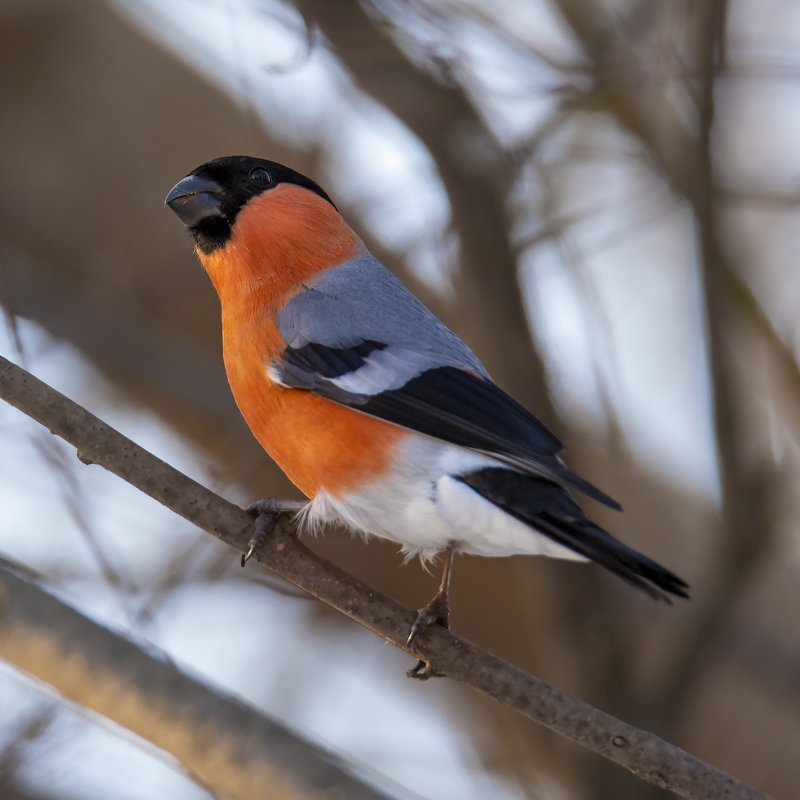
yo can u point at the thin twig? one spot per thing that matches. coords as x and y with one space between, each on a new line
641 752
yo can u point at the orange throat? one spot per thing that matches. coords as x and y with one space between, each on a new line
281 240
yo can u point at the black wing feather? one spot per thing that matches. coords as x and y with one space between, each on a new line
465 409
331 362
547 507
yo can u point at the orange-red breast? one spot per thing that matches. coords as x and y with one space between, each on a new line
377 411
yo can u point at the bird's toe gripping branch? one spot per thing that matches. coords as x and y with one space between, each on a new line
438 610
265 511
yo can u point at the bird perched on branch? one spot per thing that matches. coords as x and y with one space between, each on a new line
374 409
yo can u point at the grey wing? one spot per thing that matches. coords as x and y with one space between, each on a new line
361 300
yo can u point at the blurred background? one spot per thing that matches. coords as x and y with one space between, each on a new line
601 197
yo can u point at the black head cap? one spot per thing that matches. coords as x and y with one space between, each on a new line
208 199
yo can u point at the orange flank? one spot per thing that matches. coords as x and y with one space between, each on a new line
269 257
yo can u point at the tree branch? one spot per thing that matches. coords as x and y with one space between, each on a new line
641 752
236 749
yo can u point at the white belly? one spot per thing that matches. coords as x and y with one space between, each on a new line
419 506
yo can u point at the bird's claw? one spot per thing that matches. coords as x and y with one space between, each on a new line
258 537
422 670
425 618
436 611
251 548
264 510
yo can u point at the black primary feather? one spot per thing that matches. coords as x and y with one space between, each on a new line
545 506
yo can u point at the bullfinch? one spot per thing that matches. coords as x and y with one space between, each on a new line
374 409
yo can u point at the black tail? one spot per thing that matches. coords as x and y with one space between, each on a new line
548 508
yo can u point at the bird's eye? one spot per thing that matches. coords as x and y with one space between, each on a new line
261 176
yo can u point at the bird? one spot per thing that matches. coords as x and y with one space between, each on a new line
379 413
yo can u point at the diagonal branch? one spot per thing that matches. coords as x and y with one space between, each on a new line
641 752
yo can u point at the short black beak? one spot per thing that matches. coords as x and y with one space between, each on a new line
194 199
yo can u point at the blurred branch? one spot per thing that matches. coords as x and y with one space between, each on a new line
742 485
650 116
745 480
684 158
641 752
234 748
742 296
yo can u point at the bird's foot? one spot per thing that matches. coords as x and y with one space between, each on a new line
265 512
270 505
422 670
437 611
